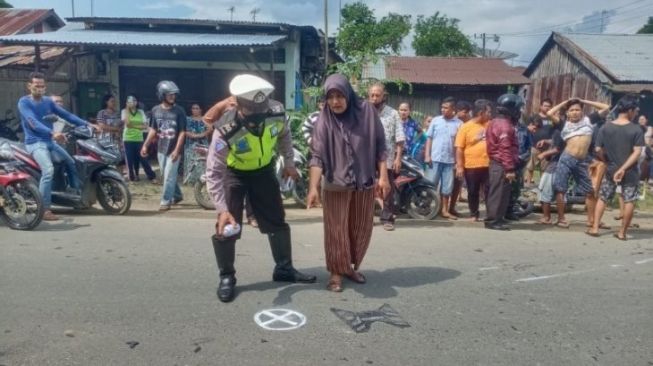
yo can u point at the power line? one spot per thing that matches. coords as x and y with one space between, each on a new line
569 23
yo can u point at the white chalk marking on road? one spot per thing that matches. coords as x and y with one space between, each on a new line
537 278
487 268
616 265
644 261
279 319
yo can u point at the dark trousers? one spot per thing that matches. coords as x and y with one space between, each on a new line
387 215
515 189
134 159
262 190
457 185
498 195
476 179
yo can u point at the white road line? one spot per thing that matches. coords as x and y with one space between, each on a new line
537 278
616 265
644 261
487 268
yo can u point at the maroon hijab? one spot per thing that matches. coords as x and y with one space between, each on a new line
349 145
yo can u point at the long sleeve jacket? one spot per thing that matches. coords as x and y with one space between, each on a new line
502 144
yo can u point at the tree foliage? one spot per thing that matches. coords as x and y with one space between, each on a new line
439 35
647 28
362 37
4 4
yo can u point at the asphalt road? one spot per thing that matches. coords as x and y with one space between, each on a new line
76 292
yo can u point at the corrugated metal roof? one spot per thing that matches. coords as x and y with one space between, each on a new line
17 21
172 21
627 57
453 71
24 55
70 36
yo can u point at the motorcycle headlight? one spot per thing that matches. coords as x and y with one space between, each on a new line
6 153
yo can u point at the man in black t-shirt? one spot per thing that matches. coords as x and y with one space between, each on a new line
168 124
619 143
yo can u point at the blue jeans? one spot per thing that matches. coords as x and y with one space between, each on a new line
442 175
44 153
169 170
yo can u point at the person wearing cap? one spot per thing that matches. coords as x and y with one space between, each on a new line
247 135
168 126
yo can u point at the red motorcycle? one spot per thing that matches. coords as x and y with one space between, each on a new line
21 206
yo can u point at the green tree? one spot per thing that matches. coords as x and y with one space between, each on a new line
438 35
4 4
361 37
647 28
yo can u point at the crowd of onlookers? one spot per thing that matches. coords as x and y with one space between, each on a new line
577 147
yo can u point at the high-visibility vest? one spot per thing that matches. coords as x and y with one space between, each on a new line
250 152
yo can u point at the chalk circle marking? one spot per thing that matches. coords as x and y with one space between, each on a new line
279 319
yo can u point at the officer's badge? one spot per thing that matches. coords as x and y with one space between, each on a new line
259 98
274 131
219 145
242 146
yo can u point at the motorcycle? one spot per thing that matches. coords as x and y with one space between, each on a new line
8 128
198 168
414 194
21 206
100 181
295 189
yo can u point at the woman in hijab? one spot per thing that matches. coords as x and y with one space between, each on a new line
348 151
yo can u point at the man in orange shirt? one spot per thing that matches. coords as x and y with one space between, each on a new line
472 161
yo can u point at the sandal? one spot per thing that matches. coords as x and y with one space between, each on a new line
622 238
595 235
356 277
562 224
335 286
601 226
544 222
618 217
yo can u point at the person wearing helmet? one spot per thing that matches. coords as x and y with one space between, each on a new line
503 152
246 138
168 125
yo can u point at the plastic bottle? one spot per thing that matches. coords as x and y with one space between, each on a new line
231 230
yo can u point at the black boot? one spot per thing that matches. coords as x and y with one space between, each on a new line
225 255
282 254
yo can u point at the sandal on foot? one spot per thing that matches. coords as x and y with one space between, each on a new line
622 238
357 277
601 226
562 224
544 222
334 286
595 235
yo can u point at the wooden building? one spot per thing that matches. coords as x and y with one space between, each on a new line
600 67
427 80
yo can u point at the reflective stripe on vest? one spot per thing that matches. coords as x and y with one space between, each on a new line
251 152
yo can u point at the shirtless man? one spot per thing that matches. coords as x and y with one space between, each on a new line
577 133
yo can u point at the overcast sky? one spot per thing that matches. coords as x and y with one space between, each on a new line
522 25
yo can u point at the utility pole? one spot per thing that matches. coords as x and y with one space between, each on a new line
603 14
72 4
92 6
231 11
483 37
254 12
326 34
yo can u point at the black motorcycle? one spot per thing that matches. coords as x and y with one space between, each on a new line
414 194
100 180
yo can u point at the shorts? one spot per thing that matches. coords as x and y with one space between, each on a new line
568 166
546 188
629 192
442 175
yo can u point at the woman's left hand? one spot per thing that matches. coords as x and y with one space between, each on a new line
383 188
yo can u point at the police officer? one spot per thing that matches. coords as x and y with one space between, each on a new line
248 132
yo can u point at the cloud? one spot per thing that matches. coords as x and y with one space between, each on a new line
156 6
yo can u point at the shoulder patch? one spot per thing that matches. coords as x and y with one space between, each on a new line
220 144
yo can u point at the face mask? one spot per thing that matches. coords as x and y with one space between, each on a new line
256 118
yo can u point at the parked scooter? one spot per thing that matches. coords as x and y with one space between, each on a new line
10 127
198 168
295 189
100 180
21 206
414 194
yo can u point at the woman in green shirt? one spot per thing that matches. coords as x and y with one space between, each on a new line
135 123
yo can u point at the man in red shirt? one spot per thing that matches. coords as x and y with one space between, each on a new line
503 152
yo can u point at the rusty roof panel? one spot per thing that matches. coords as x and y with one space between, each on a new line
17 21
454 71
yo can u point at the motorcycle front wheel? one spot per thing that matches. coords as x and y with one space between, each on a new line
423 203
113 195
24 209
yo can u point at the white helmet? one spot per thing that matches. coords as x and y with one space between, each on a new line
252 92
